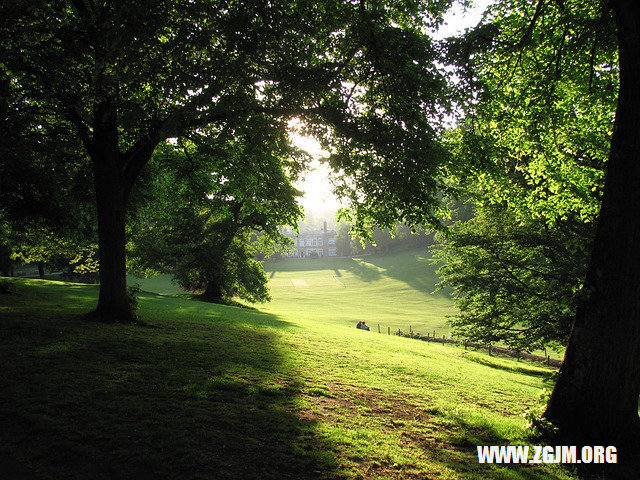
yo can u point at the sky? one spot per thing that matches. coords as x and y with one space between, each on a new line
315 185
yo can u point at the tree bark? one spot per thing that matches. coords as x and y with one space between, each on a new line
213 292
113 303
595 399
111 203
40 269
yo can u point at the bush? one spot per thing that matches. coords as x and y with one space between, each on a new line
516 282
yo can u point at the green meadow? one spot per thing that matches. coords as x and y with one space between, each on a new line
289 389
395 290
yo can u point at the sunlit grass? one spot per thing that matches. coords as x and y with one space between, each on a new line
209 391
396 291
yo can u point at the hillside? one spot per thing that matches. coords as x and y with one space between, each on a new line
395 290
208 391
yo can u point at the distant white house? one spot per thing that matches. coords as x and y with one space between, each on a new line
314 243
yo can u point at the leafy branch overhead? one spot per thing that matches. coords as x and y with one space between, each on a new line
539 86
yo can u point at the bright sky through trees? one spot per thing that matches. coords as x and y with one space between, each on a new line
315 185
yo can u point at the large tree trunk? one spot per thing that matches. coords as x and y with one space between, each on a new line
213 292
113 303
111 202
595 400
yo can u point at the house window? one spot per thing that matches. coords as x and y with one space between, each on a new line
320 252
320 242
332 252
314 242
332 241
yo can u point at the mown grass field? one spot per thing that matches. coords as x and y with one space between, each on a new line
207 391
394 290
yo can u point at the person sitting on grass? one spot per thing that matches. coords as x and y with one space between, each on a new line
362 326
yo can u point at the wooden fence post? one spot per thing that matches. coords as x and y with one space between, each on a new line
378 328
389 330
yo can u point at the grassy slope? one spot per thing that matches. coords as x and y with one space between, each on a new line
393 290
222 392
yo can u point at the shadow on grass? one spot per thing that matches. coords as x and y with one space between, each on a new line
523 367
412 267
463 436
188 399
463 458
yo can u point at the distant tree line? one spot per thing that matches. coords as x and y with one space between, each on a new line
380 240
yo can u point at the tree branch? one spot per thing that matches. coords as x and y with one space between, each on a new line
182 121
532 24
83 131
599 27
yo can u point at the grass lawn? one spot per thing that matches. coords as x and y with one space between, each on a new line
215 392
394 290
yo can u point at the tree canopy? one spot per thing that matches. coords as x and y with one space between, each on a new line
125 76
515 282
213 200
538 88
554 68
538 95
